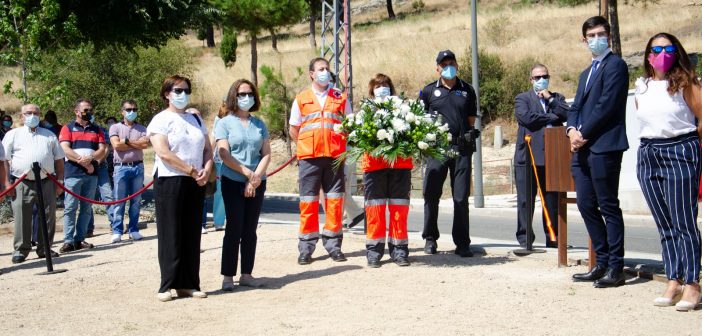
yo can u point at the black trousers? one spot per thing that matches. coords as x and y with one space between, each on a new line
523 199
178 215
434 176
596 178
242 221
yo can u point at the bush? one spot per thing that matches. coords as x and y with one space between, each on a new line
418 5
276 100
106 76
499 83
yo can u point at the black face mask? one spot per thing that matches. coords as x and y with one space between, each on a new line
86 116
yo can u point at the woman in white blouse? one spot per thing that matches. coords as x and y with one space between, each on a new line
668 99
182 166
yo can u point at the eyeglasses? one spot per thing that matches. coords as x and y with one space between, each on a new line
669 49
131 109
88 110
539 77
244 94
180 90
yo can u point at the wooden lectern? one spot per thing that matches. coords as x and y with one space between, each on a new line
557 157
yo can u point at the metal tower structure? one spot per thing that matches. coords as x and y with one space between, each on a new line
336 41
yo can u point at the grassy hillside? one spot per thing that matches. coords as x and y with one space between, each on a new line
405 48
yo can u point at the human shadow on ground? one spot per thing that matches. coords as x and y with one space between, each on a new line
41 263
447 258
280 282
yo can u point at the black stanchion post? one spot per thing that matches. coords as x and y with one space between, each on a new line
42 222
529 190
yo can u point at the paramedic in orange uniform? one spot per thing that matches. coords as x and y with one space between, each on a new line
313 115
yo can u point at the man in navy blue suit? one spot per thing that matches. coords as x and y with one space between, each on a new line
597 132
536 109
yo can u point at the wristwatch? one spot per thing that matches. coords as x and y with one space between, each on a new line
126 141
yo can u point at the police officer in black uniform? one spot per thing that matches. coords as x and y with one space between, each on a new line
454 100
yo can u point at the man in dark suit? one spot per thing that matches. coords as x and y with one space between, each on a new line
536 109
597 132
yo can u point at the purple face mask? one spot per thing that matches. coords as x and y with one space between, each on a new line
662 61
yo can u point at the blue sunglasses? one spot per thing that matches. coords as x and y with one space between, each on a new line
668 49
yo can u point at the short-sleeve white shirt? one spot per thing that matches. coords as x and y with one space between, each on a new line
24 147
296 114
186 139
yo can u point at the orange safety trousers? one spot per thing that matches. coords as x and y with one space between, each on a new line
387 189
319 173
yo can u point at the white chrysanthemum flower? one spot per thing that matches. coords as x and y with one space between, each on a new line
431 137
399 125
396 101
449 136
410 117
381 134
422 145
405 109
391 136
350 116
444 128
338 128
359 118
352 135
378 100
382 113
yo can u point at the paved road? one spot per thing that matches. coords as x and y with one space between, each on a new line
494 223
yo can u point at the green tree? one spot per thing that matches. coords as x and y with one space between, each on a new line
255 16
106 76
32 28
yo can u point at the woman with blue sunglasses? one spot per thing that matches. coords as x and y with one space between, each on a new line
668 102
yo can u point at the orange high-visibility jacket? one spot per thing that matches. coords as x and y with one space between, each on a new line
317 137
372 163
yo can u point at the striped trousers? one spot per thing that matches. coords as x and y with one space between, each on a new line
668 171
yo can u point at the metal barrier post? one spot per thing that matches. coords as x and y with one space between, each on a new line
42 222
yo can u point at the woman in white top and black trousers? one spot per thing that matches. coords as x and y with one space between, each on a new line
668 99
182 166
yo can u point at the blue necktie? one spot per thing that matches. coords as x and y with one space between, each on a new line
593 70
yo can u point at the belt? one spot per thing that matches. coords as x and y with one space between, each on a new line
131 164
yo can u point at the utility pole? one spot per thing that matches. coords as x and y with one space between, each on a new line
478 196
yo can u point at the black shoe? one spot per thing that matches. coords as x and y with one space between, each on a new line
89 234
402 261
304 259
83 245
41 255
612 278
34 243
337 256
373 262
357 220
430 246
464 252
66 247
596 273
18 259
551 244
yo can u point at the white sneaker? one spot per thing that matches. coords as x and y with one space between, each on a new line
116 237
135 236
204 231
165 296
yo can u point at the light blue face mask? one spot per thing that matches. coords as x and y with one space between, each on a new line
449 72
381 92
541 84
7 123
246 102
31 121
323 78
598 45
131 116
180 101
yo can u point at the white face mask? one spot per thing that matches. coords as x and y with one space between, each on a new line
381 92
180 101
